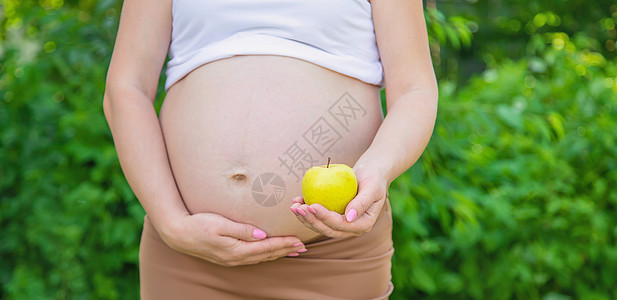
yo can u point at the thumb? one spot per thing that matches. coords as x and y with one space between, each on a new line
242 231
359 204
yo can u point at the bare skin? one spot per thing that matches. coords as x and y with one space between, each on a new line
228 122
193 171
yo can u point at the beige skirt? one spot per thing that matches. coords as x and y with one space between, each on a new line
347 268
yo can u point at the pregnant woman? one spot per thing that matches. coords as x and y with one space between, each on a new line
256 93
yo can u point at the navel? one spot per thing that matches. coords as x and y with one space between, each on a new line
238 177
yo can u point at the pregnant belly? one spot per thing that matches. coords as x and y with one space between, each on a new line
240 133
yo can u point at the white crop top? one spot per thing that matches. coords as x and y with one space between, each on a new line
335 34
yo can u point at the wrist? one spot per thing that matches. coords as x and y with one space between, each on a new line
169 226
374 166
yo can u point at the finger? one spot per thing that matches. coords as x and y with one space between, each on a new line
242 231
373 211
271 248
298 199
295 210
338 222
300 214
367 195
311 220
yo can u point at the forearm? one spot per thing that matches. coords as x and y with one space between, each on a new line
403 135
143 156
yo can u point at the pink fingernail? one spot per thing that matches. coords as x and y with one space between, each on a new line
302 212
293 254
302 250
293 210
259 234
314 211
352 215
297 244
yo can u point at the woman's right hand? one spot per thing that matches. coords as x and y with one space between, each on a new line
224 242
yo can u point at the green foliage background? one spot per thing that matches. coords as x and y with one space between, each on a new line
514 197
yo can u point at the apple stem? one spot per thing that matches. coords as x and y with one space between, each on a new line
328 165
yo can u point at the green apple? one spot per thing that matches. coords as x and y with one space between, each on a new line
331 185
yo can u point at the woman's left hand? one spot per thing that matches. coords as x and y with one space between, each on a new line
360 214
